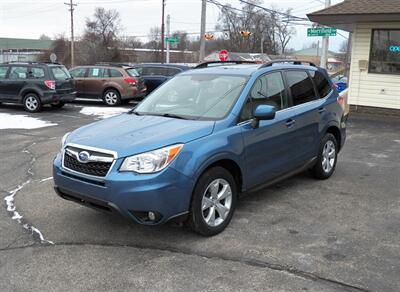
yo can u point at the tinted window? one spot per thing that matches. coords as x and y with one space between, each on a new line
115 73
151 71
18 72
133 72
78 72
385 51
173 71
300 86
3 72
322 84
37 72
60 73
98 72
267 90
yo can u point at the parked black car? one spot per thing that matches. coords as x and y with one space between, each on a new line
156 74
35 84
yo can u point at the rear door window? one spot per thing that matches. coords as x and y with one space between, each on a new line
37 72
3 72
301 87
78 72
115 73
98 72
60 73
321 83
18 72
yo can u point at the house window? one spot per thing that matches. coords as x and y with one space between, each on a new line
385 51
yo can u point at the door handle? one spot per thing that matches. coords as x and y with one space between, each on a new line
290 123
321 110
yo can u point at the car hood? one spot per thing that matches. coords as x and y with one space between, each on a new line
129 134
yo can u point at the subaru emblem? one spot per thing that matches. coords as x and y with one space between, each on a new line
83 156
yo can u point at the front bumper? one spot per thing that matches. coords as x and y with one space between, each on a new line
52 97
167 193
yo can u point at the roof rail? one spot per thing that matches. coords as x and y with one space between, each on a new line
293 61
222 63
113 64
30 62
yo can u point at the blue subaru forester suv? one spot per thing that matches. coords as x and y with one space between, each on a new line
192 146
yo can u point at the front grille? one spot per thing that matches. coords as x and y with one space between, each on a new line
95 168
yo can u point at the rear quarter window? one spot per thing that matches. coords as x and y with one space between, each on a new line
321 83
3 72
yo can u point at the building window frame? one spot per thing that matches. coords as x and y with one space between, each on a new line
370 51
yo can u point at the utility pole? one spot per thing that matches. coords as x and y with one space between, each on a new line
168 35
203 30
162 31
262 43
71 9
325 43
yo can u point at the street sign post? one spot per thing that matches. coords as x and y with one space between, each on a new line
172 40
321 32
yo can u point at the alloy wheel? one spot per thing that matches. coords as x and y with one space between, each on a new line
111 98
216 203
31 103
328 156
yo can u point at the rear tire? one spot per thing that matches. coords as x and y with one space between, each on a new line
58 105
32 103
111 97
213 202
327 158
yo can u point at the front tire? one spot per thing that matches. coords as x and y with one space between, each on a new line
111 97
327 157
32 103
213 202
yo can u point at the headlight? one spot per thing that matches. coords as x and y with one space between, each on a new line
152 161
63 139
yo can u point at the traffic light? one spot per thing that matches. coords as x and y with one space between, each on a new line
209 36
245 33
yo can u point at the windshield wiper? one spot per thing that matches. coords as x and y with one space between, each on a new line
134 112
173 116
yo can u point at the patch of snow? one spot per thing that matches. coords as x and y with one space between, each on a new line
8 121
46 179
103 112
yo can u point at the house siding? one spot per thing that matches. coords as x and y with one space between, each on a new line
368 89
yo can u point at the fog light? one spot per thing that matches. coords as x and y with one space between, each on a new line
152 216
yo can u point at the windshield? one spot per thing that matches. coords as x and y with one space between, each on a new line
60 73
133 72
196 96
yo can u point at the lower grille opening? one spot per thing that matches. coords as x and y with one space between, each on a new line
85 201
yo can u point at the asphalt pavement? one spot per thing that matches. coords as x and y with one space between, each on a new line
342 234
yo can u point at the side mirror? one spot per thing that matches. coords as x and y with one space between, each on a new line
263 112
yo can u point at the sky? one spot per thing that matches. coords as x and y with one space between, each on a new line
32 18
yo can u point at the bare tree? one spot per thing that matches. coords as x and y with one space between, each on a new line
285 32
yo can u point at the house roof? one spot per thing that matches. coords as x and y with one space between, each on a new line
24 44
312 52
343 15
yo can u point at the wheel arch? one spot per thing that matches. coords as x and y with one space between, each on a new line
334 130
110 87
24 92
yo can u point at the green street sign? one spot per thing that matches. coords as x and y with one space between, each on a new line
321 32
172 40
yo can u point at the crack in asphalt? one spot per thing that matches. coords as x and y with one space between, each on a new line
10 199
212 256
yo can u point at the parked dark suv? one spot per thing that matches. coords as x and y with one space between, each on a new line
35 84
156 74
111 82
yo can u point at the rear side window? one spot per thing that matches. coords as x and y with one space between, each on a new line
78 72
115 73
17 72
60 73
300 86
3 72
322 84
37 72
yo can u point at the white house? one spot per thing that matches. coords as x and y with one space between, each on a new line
375 65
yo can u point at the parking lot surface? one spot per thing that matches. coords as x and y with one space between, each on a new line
342 234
